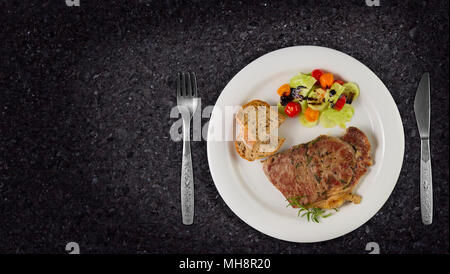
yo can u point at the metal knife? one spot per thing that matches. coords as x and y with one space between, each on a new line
422 110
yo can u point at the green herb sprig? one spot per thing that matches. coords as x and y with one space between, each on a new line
312 213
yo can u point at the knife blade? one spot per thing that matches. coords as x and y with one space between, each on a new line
422 106
422 110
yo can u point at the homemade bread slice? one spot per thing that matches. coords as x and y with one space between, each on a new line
256 152
247 118
249 145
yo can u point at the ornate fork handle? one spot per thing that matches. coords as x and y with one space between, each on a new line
187 178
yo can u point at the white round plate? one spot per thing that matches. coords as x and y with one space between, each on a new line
243 184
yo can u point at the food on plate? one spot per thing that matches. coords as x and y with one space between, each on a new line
292 109
332 117
310 118
322 173
316 99
318 91
311 114
284 100
340 103
351 91
334 94
304 80
300 86
316 74
250 122
326 80
255 152
249 145
284 90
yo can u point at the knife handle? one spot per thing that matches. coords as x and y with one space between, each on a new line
426 186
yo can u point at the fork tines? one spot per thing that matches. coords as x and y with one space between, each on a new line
186 84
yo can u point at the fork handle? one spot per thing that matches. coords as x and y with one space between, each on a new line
187 178
426 187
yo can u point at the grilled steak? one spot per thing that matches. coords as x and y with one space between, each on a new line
323 172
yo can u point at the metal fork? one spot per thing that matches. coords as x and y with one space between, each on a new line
187 103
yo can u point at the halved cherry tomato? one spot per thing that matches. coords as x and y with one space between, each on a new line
316 74
284 90
292 109
340 103
326 80
339 82
311 114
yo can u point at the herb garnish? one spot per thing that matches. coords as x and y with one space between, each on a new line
315 140
312 213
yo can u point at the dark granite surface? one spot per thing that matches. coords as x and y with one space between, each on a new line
86 94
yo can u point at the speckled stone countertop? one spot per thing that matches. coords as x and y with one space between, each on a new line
86 94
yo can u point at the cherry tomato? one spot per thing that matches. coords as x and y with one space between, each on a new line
284 90
340 103
316 74
339 82
326 80
292 109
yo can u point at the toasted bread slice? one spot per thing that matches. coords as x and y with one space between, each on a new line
254 152
250 123
249 144
243 119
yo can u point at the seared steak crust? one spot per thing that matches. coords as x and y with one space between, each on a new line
325 168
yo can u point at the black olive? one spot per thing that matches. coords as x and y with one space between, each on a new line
350 98
332 92
284 100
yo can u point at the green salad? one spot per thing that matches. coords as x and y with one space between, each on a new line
317 98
